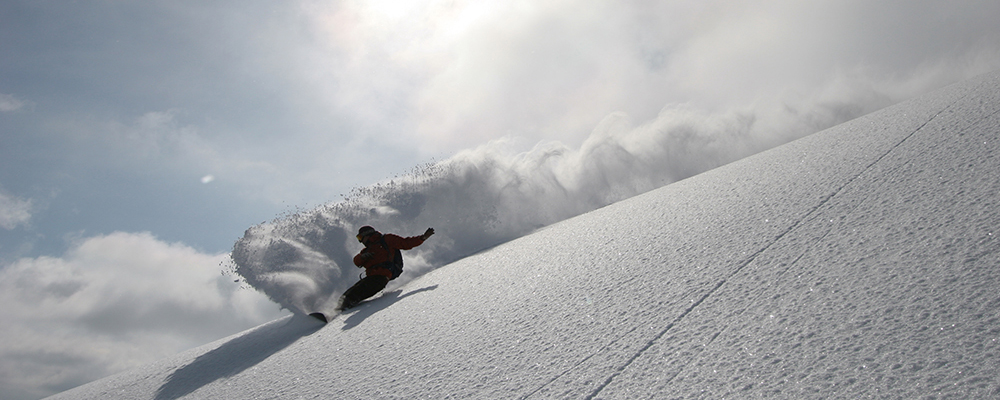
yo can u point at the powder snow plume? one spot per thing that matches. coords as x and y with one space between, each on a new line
485 196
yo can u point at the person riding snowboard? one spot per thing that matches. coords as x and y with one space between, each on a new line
381 260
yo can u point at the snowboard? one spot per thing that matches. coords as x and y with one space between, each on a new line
320 316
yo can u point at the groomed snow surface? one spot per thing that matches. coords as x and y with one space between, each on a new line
861 261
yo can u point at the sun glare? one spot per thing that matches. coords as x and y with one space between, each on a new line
420 24
393 11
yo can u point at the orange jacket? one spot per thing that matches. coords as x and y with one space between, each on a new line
381 255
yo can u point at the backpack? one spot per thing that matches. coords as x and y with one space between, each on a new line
396 265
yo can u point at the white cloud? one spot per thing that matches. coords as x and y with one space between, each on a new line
111 303
14 211
450 75
9 103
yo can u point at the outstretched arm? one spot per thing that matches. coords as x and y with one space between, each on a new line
408 243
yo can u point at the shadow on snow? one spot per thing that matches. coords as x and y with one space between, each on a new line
243 352
387 299
236 355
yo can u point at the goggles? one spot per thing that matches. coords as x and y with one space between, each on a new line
361 238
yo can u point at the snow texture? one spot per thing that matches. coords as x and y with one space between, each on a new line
858 261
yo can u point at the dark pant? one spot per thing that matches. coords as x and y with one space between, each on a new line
365 288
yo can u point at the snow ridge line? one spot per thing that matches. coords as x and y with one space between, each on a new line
751 259
716 335
677 320
672 323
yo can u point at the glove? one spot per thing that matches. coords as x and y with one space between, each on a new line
428 233
367 256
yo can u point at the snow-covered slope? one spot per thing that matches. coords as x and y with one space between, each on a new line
862 260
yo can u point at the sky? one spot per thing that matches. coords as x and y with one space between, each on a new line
857 262
140 140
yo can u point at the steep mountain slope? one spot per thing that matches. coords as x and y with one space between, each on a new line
861 260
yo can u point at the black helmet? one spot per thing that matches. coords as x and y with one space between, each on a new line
364 232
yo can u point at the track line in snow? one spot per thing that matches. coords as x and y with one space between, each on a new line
676 320
751 301
808 216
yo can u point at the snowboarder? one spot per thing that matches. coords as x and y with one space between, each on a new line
381 260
